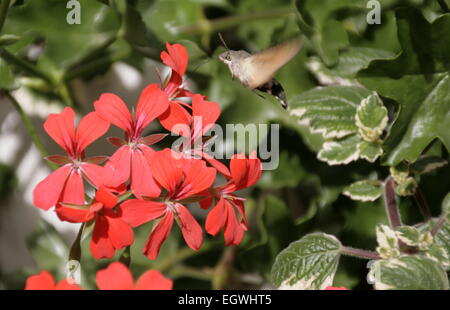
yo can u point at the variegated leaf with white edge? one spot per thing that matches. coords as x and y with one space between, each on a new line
387 242
340 152
307 264
366 190
409 272
439 255
371 118
370 151
330 110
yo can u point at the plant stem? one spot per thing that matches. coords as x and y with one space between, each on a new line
215 25
359 253
92 66
125 257
75 249
4 6
183 254
444 6
440 222
30 128
222 271
65 95
422 204
24 65
390 203
200 274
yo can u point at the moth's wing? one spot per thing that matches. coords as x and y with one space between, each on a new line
262 66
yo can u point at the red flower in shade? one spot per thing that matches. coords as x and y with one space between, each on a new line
182 178
333 288
118 277
244 173
132 157
176 58
110 231
66 183
45 281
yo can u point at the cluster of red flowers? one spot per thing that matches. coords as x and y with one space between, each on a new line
115 277
163 183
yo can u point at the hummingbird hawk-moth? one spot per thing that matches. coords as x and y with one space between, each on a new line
256 71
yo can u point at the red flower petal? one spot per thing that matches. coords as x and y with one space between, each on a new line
166 171
153 280
192 232
65 285
216 218
176 119
233 229
93 173
137 212
112 109
152 103
75 214
205 114
333 288
197 179
176 58
90 128
119 232
245 171
41 281
101 246
221 168
61 128
46 194
142 182
74 189
158 235
106 197
118 168
115 277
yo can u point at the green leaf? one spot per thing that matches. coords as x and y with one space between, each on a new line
329 110
370 151
288 174
340 152
7 79
366 190
65 44
425 164
8 39
316 19
408 273
371 118
439 255
351 60
408 235
387 242
418 79
446 204
309 263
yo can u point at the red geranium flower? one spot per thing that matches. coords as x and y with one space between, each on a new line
176 58
333 288
244 173
45 281
118 277
182 178
66 183
110 233
132 157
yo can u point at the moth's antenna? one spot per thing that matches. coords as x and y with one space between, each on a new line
223 41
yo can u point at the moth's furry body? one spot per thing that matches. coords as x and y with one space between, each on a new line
256 71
